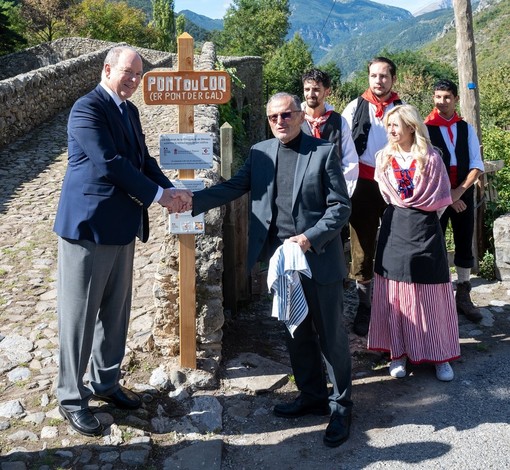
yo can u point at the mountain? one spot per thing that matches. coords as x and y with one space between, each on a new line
201 20
409 34
344 20
491 22
439 5
348 32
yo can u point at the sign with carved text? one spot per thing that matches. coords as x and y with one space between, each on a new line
189 87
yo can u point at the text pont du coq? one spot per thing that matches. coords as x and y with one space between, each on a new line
177 87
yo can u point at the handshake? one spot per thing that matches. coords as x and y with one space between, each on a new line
177 200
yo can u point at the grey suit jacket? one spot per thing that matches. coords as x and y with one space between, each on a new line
320 202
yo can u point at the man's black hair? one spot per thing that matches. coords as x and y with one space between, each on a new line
317 76
446 85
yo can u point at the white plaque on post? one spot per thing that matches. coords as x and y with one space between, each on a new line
186 151
185 223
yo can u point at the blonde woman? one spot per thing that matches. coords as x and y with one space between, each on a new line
413 308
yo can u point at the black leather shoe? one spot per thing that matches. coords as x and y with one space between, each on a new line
338 430
122 398
82 421
300 407
361 320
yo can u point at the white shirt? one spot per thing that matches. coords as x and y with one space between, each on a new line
377 137
475 156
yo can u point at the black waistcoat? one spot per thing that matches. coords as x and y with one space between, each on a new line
461 148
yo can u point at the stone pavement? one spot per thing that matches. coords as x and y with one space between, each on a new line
413 423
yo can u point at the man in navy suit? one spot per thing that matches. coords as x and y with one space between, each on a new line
110 182
298 193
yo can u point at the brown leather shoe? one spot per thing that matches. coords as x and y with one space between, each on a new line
464 304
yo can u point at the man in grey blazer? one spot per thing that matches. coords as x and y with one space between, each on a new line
110 182
298 193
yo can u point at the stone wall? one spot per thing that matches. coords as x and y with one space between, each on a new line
50 77
249 99
501 231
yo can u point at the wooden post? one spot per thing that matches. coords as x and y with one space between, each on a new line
229 238
469 100
186 88
187 275
227 150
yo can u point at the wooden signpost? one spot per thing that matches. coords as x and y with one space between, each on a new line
186 88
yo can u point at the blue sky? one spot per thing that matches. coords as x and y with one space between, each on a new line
217 8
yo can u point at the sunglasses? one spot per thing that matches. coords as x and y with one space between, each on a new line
286 115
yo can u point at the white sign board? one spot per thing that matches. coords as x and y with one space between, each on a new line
185 223
186 151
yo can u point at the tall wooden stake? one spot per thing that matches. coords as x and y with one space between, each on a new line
469 99
187 279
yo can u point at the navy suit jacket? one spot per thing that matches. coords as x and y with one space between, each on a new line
320 202
109 183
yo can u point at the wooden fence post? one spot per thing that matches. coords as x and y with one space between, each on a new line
187 275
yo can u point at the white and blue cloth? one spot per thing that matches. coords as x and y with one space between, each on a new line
289 302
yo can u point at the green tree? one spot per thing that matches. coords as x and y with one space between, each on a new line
112 21
254 27
331 68
495 97
284 69
180 25
12 40
46 19
164 24
416 75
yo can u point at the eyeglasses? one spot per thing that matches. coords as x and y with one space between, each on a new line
286 115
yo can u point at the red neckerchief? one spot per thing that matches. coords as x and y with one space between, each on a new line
404 178
380 105
434 119
317 123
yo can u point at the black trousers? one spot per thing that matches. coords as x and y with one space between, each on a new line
322 335
463 225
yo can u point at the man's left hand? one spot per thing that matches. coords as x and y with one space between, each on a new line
302 241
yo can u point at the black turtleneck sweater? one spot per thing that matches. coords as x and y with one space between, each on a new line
282 225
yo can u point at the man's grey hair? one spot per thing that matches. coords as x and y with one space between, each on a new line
112 58
283 94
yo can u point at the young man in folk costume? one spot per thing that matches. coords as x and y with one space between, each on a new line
323 122
365 118
460 149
